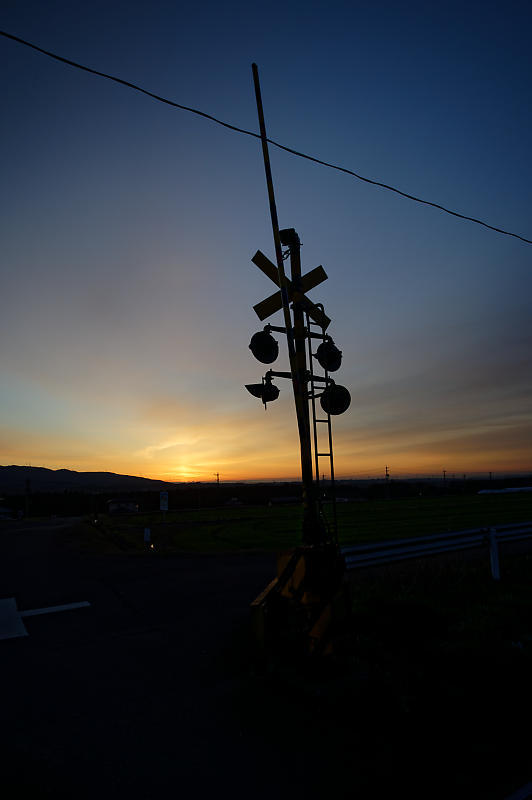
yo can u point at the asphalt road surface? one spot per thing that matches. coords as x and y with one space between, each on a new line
134 696
148 693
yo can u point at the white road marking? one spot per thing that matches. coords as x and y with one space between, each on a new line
33 612
522 794
11 625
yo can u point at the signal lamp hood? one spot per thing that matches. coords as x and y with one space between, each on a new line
255 389
335 399
264 347
267 392
328 355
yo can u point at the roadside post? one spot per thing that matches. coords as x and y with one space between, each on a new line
163 503
494 555
147 538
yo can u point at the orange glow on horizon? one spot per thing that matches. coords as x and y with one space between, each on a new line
257 449
344 469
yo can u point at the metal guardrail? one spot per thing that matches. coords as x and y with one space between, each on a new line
387 552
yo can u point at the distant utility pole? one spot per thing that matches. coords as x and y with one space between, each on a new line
444 474
217 477
387 475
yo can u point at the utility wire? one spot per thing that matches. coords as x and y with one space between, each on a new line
127 83
257 136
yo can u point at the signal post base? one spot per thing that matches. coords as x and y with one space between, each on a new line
300 612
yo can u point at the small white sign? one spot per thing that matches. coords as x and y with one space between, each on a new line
163 501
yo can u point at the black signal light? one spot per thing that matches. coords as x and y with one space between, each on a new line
329 356
264 347
335 399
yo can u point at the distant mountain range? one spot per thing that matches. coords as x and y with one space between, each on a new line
13 481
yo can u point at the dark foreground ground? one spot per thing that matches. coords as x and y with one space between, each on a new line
151 693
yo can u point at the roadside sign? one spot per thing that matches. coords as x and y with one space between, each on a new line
163 501
274 302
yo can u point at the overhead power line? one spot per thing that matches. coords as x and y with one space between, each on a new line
257 136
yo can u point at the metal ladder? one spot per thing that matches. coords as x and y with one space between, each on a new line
331 525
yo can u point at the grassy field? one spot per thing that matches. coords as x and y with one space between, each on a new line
278 527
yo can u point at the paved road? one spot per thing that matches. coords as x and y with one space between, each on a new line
141 695
134 696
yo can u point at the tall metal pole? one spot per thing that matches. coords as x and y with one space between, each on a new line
311 533
312 529
273 215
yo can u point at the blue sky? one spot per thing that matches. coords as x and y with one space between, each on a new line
128 229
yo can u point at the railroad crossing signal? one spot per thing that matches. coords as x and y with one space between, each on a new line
334 399
274 302
311 577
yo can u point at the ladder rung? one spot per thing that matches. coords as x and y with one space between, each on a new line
323 454
322 420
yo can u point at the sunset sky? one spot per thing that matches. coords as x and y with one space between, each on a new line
127 229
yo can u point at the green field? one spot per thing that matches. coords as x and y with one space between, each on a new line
278 527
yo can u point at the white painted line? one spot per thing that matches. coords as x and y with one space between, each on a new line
11 625
33 612
522 794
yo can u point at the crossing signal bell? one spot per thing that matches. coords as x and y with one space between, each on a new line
289 237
